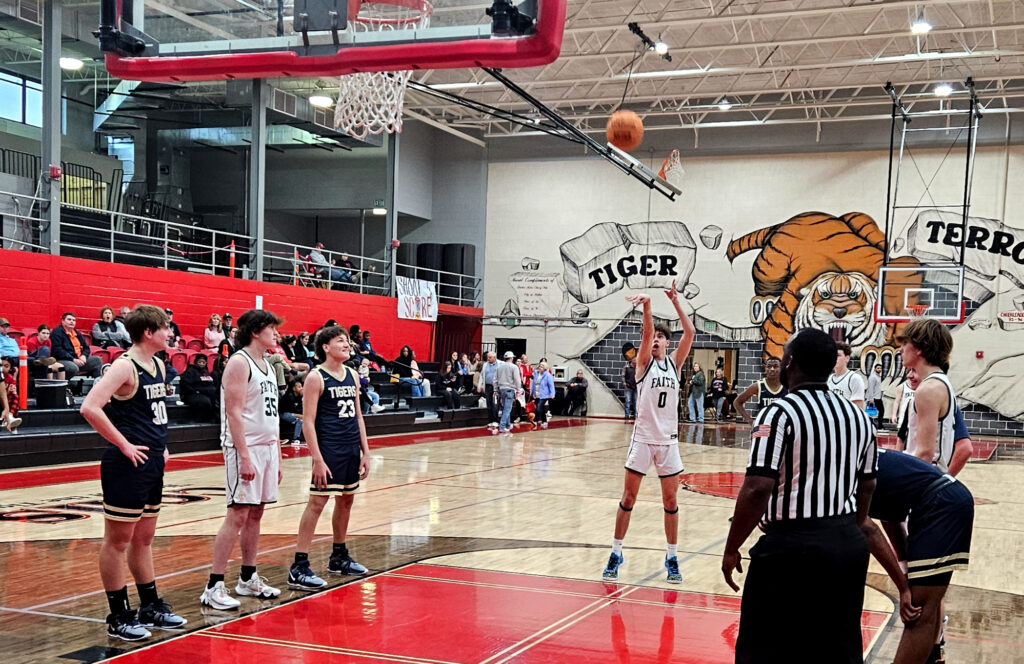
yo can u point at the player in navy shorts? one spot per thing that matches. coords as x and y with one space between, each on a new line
939 512
128 408
333 424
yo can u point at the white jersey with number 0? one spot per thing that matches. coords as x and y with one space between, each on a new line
259 412
657 404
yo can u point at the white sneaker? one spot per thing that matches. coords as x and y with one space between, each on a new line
376 408
492 425
543 425
256 586
217 597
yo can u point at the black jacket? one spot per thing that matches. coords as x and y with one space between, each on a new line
291 403
60 344
195 382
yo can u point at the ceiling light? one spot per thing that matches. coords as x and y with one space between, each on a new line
660 47
321 101
379 211
920 27
724 105
71 64
943 90
462 86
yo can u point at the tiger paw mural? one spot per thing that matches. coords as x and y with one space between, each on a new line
818 270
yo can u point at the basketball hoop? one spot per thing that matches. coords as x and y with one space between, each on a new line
371 103
672 170
917 310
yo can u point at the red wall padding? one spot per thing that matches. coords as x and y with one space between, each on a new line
38 288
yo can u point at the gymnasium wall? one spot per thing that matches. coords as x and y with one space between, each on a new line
38 288
567 238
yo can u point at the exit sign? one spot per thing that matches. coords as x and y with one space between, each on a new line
710 326
378 202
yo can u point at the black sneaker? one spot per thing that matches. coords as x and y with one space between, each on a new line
159 615
343 564
125 626
301 577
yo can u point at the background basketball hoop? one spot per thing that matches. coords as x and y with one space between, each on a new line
371 103
672 170
917 310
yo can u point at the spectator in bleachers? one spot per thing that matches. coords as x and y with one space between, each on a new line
10 421
71 349
576 392
349 268
525 372
369 397
450 386
40 355
227 323
543 391
175 332
296 352
108 332
121 313
170 373
408 371
293 370
199 389
10 374
302 350
485 386
218 373
327 269
214 333
465 369
366 350
291 409
227 346
8 346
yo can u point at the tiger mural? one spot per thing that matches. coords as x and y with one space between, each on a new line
822 270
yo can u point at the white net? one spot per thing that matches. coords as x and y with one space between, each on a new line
672 170
371 103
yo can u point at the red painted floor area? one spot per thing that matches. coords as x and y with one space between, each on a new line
22 479
438 615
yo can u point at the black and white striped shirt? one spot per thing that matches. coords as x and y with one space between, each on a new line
818 445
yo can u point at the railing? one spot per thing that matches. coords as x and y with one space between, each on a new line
21 224
452 287
293 263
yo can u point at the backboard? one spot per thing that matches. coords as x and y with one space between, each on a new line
197 40
922 291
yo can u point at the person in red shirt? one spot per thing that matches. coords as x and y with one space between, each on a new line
10 388
527 373
40 355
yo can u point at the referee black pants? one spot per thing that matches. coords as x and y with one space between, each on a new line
803 594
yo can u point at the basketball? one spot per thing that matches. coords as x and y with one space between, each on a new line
625 130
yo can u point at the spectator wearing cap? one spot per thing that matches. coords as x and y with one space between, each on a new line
71 349
327 268
508 380
8 346
227 323
214 333
108 332
198 389
175 332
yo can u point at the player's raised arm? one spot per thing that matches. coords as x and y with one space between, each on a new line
689 331
643 356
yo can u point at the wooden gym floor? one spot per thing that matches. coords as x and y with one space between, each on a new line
482 549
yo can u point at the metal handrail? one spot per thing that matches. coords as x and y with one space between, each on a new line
30 226
474 295
293 256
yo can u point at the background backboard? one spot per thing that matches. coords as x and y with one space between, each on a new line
929 291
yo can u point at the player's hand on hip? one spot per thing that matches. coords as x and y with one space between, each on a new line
731 560
637 299
320 474
364 468
247 471
135 453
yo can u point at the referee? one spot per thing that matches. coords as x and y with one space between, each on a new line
809 480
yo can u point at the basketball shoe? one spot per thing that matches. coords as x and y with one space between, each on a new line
344 564
256 586
217 597
125 626
301 577
159 615
672 566
611 570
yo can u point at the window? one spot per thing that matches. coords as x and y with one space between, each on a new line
21 100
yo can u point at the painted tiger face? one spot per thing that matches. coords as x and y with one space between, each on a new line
840 304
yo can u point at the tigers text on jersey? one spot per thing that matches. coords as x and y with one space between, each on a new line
337 422
259 411
141 417
765 396
657 404
849 385
944 431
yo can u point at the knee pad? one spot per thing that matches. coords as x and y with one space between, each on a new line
624 508
675 511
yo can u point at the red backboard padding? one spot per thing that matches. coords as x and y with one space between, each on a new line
38 288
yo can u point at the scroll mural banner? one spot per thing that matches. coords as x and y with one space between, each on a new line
417 299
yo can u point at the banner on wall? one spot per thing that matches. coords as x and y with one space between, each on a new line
417 299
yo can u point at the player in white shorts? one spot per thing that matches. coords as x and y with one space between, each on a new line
843 381
655 437
252 457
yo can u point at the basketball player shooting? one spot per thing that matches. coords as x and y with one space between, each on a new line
656 431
